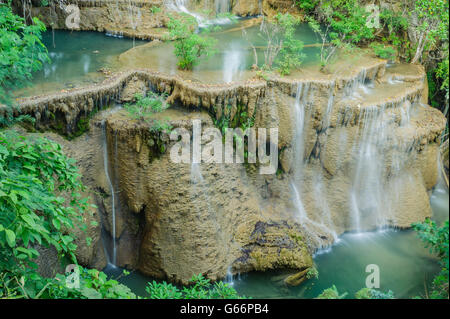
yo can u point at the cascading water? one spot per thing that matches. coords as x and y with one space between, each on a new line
302 98
113 258
232 64
222 6
181 6
230 278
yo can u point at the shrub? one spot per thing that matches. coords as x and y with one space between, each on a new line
368 293
21 51
341 25
32 172
283 50
145 107
436 239
432 20
383 51
331 293
199 288
189 46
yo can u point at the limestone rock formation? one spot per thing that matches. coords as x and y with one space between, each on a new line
357 151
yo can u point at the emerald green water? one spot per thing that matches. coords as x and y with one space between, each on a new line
75 59
405 265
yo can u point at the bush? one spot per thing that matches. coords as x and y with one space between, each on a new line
331 293
21 51
341 25
436 239
145 107
368 293
383 51
291 54
33 171
283 51
199 288
189 46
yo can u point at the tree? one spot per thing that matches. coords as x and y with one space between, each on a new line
432 24
189 45
282 50
21 51
340 24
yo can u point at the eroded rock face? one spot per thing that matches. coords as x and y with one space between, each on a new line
197 219
139 19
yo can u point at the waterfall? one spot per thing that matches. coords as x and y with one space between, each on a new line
111 189
315 228
367 190
231 64
229 278
180 6
301 98
222 6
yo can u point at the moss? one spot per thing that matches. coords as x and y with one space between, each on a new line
297 238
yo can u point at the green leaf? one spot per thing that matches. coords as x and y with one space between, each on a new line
56 223
29 220
10 238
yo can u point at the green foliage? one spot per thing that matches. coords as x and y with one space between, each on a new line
342 25
383 51
307 6
21 51
331 293
160 126
189 45
442 74
368 293
145 107
432 24
199 288
32 171
394 21
312 273
291 54
283 50
93 284
436 239
396 26
155 9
